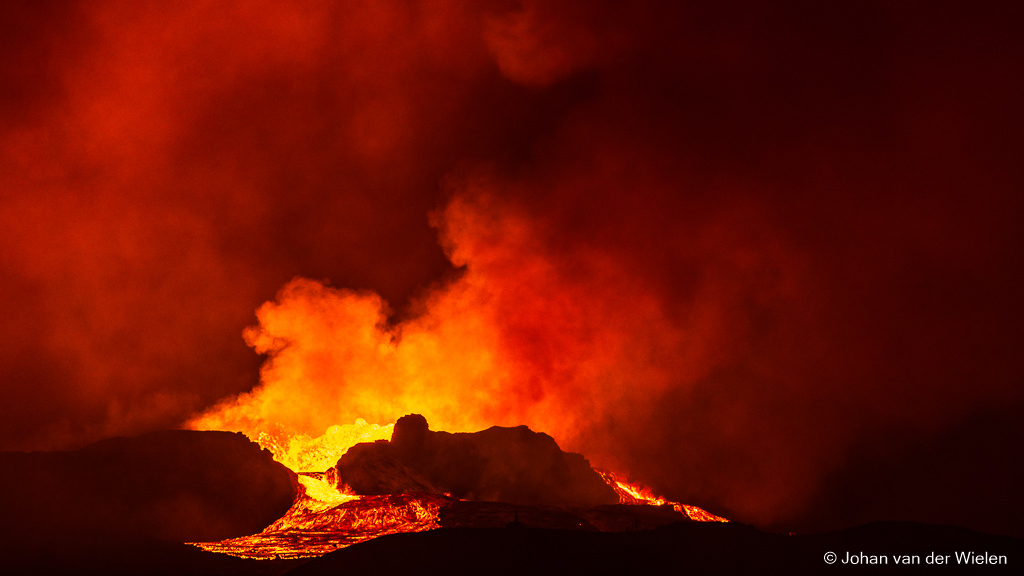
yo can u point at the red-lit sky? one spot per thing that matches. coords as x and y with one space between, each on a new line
765 258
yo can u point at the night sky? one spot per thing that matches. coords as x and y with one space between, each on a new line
764 257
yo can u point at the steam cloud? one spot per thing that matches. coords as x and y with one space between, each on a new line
757 256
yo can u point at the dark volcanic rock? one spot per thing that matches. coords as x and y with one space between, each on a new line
137 557
175 485
609 518
514 465
464 514
368 472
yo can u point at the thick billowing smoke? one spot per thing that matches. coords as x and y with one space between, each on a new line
566 339
544 326
757 256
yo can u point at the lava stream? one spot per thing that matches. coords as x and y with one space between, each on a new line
638 495
323 519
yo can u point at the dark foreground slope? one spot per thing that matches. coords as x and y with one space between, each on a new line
137 557
684 548
174 486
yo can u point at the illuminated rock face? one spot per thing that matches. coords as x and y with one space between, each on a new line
175 485
514 465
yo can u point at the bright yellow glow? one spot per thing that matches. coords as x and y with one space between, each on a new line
302 453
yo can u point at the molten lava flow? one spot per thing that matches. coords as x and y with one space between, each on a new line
326 515
698 514
638 495
631 494
318 494
323 519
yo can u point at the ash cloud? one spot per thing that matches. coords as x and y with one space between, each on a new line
724 248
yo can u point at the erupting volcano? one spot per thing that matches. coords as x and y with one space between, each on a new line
517 339
420 480
640 265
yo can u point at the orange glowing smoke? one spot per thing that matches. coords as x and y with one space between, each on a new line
525 335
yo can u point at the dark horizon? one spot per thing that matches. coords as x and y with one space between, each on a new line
766 259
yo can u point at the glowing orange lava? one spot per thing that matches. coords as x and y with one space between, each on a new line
324 519
636 494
